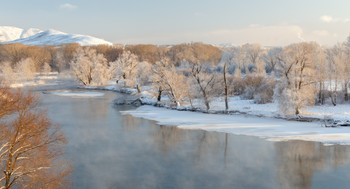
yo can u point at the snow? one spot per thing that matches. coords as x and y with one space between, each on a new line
269 128
86 94
33 36
236 104
30 32
247 118
10 33
28 83
339 112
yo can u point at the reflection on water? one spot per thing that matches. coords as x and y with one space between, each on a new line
114 151
298 161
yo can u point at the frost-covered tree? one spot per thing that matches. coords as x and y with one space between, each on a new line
204 82
253 57
272 57
321 69
46 69
141 75
296 88
199 59
7 72
125 68
25 69
346 80
167 80
90 67
336 65
239 59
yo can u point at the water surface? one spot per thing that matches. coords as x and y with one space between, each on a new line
110 150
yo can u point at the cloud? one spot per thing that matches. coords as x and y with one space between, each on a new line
272 35
327 19
330 19
278 35
68 6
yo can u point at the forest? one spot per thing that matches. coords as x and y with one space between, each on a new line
295 76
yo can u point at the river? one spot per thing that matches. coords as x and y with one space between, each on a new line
110 150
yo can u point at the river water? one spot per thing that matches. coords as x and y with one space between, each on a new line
110 150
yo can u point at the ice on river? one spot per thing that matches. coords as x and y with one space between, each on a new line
79 93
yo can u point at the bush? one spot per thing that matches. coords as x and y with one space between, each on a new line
258 88
264 93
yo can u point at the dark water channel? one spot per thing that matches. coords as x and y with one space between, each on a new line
109 150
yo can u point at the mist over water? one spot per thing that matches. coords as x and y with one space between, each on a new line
110 150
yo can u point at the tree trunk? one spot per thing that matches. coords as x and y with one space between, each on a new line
159 94
138 88
334 99
346 95
226 89
206 100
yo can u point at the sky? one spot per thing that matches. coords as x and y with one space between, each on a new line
268 22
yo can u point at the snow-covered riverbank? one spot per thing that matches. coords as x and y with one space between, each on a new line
261 120
269 128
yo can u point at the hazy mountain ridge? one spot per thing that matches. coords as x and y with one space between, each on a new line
34 36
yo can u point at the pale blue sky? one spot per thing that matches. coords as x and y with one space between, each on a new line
269 22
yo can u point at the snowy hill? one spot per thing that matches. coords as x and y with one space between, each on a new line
9 33
35 36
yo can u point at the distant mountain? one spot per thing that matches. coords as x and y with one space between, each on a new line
33 36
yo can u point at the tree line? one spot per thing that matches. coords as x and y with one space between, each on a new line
295 76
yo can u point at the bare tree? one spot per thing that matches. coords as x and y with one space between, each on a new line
227 61
30 145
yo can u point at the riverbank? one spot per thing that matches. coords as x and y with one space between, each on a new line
340 113
245 118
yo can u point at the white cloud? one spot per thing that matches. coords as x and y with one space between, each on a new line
68 6
327 19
